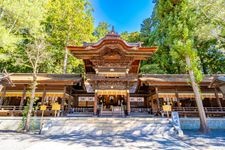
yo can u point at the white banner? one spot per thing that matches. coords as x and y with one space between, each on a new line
86 99
136 99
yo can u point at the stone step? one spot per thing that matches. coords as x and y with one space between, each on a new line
107 126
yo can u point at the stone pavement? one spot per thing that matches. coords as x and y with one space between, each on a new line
192 140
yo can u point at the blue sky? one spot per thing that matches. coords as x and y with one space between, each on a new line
125 15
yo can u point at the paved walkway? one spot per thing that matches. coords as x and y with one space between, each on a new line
192 140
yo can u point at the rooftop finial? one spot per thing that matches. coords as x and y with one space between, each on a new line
113 30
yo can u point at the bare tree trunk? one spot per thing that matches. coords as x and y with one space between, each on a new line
32 99
203 122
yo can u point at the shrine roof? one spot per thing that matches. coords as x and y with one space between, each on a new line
173 79
218 81
111 40
43 78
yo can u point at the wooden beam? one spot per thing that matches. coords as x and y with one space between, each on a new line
157 97
63 100
128 103
177 97
2 96
43 95
217 98
95 103
70 98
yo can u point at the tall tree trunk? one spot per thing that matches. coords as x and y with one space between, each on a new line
203 122
66 53
65 61
32 99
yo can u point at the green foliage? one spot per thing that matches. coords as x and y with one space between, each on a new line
101 30
151 69
131 37
59 23
68 23
146 29
181 28
20 21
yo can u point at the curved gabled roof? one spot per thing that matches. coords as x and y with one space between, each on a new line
113 41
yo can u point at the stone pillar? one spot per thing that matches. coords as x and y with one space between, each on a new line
217 98
95 102
128 102
23 96
2 96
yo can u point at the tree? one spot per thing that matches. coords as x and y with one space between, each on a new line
36 54
210 35
131 37
176 22
146 28
68 23
101 30
15 18
22 23
151 69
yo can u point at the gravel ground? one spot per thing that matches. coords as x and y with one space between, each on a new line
192 140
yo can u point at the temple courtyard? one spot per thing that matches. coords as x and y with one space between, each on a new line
192 140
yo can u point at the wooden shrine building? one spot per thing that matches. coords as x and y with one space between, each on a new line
112 85
112 67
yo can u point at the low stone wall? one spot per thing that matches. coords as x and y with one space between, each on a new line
16 123
194 123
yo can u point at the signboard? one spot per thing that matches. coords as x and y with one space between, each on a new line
166 107
136 99
43 107
55 106
86 99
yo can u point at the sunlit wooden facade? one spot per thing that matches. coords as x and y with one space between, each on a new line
112 83
112 67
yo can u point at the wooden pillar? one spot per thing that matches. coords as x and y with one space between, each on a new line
217 98
43 96
128 102
95 103
157 98
23 96
177 97
2 96
70 98
63 100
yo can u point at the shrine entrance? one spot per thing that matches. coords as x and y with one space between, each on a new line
111 100
111 67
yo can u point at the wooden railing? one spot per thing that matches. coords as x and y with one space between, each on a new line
139 109
11 108
81 110
11 111
193 111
